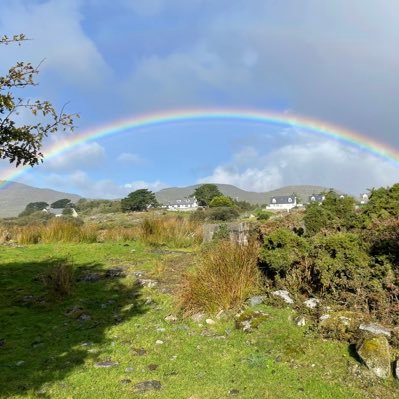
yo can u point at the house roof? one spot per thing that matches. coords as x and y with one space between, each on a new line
317 198
284 199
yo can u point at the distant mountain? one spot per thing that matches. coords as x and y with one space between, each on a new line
15 196
303 192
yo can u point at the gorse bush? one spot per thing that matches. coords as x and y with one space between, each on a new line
226 274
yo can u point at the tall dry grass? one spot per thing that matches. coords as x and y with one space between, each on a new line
226 274
59 279
173 231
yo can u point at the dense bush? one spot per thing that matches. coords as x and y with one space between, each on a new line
222 214
221 201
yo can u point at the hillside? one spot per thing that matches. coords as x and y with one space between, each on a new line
303 191
15 196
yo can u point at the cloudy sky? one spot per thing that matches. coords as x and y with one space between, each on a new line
336 61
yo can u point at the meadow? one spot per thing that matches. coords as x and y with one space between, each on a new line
88 312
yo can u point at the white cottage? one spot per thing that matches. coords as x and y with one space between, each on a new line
282 203
186 204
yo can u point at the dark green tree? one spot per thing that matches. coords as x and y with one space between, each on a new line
205 193
61 203
34 207
139 200
383 202
21 143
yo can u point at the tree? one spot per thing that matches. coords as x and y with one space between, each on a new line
139 200
61 203
221 200
21 143
205 193
34 207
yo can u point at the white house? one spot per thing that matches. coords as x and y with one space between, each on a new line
317 198
364 198
282 203
186 204
57 212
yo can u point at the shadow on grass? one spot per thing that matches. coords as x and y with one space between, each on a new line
44 338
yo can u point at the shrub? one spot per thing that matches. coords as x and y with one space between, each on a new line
225 275
223 214
282 250
263 215
221 201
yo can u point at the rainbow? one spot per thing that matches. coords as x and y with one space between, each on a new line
311 125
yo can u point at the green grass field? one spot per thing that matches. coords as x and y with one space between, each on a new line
49 347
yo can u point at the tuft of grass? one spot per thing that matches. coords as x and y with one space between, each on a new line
59 279
173 231
226 274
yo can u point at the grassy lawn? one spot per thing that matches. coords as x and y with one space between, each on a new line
50 347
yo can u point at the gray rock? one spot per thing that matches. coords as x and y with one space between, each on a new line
375 329
375 353
300 321
171 318
256 300
284 295
84 317
115 272
146 386
148 283
210 322
106 364
198 317
129 369
397 369
311 303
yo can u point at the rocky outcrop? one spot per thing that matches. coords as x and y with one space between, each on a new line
375 353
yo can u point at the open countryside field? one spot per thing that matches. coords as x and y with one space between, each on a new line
111 336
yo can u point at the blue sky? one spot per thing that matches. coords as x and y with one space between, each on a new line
336 61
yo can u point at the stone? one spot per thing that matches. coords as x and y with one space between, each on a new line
249 320
159 342
284 295
129 369
210 322
91 277
139 351
106 364
115 272
375 329
256 300
311 303
234 392
198 317
84 317
341 325
171 318
375 353
300 321
146 386
148 283
74 313
397 369
161 329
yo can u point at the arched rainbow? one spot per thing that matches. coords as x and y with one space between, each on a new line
311 125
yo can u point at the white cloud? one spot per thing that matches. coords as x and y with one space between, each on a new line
152 186
310 161
85 156
129 157
57 37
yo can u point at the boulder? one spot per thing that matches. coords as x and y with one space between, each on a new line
284 295
375 353
375 329
342 325
311 303
256 300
